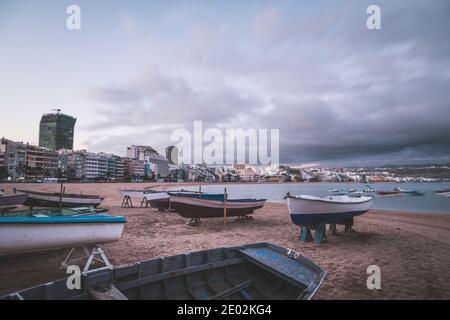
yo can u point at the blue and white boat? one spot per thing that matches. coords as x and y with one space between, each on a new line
310 210
41 232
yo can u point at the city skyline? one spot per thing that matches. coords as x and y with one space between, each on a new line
339 93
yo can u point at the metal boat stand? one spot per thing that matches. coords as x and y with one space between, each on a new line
126 202
194 222
145 203
244 218
91 254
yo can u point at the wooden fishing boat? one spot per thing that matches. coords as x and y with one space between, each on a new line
12 200
51 212
310 210
37 233
203 205
68 200
260 271
389 193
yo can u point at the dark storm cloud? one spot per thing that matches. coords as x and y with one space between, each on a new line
336 90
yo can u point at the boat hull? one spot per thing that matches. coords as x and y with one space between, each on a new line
188 207
260 271
312 210
21 235
12 200
160 204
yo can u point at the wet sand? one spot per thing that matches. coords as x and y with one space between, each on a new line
412 249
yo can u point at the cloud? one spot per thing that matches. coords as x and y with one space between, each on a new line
337 91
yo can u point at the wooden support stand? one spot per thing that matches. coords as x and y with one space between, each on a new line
305 234
320 233
348 227
126 202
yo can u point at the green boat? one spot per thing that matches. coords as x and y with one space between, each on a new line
81 211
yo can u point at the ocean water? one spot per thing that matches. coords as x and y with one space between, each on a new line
430 202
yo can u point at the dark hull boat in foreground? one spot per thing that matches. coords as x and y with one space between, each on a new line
250 272
202 205
67 200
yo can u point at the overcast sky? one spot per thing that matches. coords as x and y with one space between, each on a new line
339 93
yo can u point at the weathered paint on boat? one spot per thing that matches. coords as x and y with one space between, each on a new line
249 272
311 210
28 234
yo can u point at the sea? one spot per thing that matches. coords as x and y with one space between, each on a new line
275 192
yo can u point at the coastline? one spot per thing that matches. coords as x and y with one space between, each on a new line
410 248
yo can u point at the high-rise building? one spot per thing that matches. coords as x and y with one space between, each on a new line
56 131
172 154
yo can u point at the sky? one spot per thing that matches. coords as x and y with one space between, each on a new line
339 93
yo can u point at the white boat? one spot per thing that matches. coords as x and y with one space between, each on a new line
38 233
311 210
133 193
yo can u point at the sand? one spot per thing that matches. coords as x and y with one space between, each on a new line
412 249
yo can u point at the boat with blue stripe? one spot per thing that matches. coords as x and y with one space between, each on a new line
308 210
21 234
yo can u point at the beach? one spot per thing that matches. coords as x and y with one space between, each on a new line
411 249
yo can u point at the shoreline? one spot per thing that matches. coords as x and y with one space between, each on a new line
410 248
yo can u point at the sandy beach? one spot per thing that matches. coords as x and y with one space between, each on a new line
412 249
